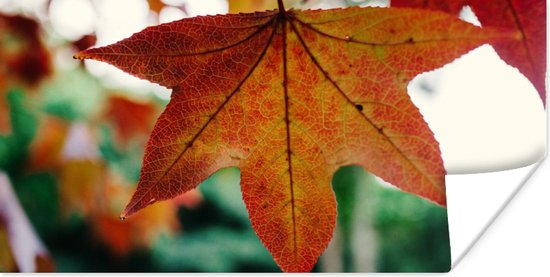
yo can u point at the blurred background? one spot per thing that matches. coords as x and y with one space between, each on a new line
71 142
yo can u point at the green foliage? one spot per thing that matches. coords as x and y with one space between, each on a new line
127 162
217 236
14 147
38 195
73 95
413 233
345 184
77 250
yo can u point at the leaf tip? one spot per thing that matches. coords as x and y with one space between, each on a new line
126 213
81 56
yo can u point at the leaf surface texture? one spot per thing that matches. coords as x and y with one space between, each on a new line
288 97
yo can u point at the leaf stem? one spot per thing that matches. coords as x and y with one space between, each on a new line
281 5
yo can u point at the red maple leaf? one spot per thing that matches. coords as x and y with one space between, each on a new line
526 19
289 97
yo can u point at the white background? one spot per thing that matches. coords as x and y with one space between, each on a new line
518 242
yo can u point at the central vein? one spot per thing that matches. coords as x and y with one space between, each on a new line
287 121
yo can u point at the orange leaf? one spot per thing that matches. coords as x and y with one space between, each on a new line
45 149
44 263
289 97
138 231
114 233
85 42
156 5
130 117
79 184
526 50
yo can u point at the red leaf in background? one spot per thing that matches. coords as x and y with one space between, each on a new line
45 149
24 55
130 117
526 18
115 234
44 263
139 231
85 42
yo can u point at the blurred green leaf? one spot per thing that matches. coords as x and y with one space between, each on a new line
413 233
126 162
73 95
214 249
223 188
344 184
38 195
14 147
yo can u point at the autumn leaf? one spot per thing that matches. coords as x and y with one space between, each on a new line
130 117
45 149
526 50
289 97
